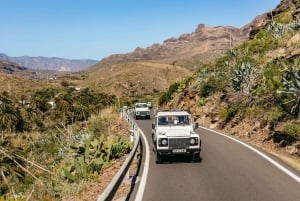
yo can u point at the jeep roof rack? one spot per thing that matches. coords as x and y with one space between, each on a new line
172 110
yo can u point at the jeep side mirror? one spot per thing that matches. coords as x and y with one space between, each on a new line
196 125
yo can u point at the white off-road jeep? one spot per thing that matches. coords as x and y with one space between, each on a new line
141 110
173 134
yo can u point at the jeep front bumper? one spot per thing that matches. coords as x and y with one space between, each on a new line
172 152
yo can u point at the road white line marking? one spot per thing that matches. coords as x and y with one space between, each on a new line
285 170
140 193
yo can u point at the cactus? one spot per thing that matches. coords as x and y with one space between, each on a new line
92 155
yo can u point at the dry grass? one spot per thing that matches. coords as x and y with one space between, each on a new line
135 78
16 85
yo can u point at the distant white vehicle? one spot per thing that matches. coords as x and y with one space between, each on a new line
141 111
149 104
173 134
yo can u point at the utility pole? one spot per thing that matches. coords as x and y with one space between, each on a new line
230 40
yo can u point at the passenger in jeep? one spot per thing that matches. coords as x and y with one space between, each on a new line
162 120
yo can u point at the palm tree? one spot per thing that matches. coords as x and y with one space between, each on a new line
64 106
41 100
8 117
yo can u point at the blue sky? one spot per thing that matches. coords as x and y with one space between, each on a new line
93 29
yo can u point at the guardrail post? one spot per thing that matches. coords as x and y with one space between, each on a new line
132 139
132 135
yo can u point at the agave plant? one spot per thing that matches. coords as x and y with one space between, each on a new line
232 53
242 79
291 82
279 29
203 75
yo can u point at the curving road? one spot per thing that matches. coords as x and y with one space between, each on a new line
228 171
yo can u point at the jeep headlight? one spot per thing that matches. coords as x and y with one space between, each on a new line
163 141
193 141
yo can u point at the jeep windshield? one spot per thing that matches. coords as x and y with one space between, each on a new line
141 105
175 120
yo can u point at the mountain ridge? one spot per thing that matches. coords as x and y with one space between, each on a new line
200 43
50 63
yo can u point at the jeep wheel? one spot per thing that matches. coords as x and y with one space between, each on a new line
196 157
158 158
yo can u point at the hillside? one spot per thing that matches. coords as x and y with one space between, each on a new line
134 79
252 92
50 63
17 85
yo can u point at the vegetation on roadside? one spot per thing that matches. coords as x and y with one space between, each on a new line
52 137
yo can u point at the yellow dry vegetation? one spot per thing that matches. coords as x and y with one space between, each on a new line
16 85
135 78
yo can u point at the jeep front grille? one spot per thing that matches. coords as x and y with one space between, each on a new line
179 143
144 113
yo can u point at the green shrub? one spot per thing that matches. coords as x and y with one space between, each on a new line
165 97
208 87
201 102
292 129
262 42
228 113
285 18
272 76
275 115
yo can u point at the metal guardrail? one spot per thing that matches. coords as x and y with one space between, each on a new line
115 183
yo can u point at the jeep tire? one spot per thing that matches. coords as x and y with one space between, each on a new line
196 157
158 158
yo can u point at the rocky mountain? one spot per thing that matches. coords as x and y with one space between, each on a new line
8 67
50 63
199 47
11 68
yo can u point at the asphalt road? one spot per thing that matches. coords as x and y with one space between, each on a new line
228 172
